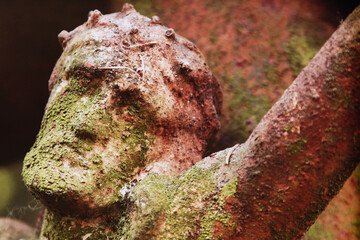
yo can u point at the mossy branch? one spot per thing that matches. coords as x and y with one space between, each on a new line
274 186
281 178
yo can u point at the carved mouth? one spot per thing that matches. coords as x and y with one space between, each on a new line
64 195
77 186
72 203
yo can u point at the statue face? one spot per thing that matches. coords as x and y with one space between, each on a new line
120 85
90 144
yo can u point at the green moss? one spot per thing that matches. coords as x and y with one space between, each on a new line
297 146
151 196
216 5
245 109
356 223
306 39
181 202
356 226
97 159
194 186
215 212
74 128
278 197
67 132
53 230
228 190
299 52
146 8
288 127
318 232
338 96
357 174
271 73
7 188
60 227
191 204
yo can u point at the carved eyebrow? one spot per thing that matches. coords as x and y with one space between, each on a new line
126 97
90 73
119 67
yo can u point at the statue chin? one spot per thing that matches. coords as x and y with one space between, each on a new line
62 194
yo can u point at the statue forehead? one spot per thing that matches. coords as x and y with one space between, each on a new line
125 40
130 51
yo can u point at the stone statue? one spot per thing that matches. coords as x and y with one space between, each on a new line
129 98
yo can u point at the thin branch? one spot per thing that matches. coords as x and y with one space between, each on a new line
231 151
139 45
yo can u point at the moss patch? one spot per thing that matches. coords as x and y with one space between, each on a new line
195 205
68 129
77 133
305 41
228 190
318 232
297 146
299 52
245 108
7 188
60 227
151 201
146 8
356 224
216 213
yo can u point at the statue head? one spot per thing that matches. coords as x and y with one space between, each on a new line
129 97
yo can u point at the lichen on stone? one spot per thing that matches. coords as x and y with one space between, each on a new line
131 102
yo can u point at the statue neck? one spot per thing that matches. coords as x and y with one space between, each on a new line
173 155
56 226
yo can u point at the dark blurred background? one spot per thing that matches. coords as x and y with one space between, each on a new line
29 49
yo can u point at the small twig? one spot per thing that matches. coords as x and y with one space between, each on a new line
140 45
86 236
228 156
120 67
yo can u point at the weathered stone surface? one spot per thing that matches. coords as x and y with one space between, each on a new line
129 97
106 142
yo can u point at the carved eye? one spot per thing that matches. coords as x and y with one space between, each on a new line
88 72
125 97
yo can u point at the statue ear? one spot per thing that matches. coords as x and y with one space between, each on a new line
64 37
